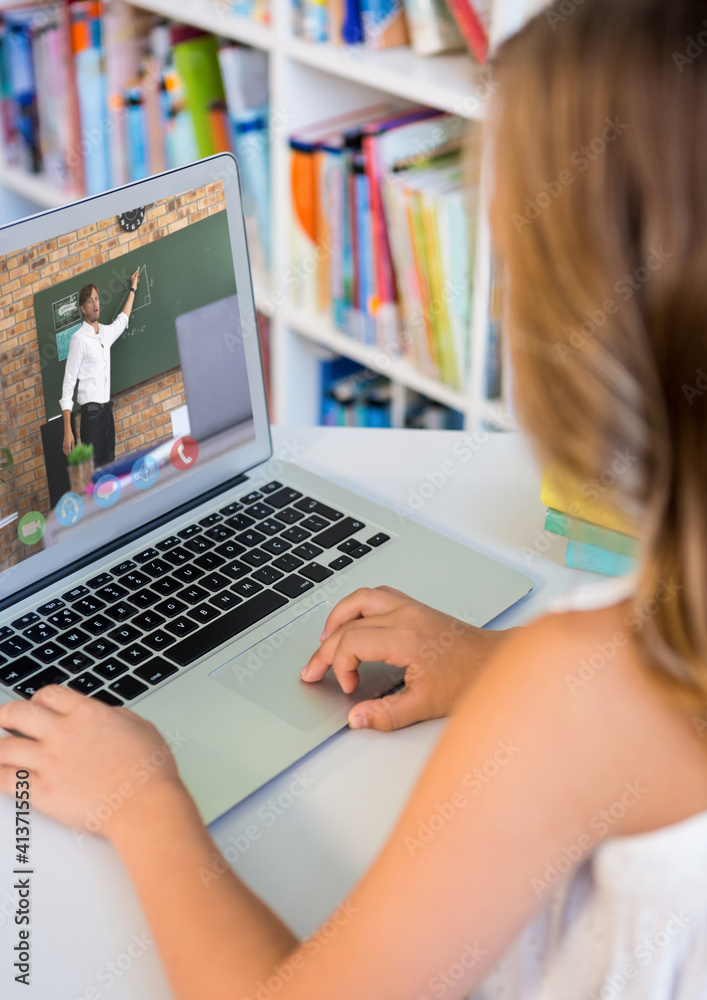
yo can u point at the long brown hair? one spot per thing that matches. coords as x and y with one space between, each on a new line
600 211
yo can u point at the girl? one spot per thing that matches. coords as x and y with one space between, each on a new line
580 868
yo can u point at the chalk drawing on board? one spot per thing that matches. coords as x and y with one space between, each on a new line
143 297
62 341
66 312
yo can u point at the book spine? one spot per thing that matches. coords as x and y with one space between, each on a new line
585 531
581 555
471 28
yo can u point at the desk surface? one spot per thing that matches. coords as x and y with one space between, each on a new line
89 936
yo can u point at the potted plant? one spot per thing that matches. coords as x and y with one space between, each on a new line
80 460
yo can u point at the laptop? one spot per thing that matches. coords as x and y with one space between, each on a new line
192 587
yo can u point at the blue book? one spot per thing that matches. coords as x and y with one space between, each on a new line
582 555
137 138
93 105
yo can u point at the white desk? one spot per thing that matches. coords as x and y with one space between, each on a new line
303 861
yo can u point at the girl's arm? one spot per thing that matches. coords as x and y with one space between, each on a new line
517 781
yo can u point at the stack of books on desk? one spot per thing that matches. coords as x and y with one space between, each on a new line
599 539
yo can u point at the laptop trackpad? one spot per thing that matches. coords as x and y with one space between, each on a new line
267 673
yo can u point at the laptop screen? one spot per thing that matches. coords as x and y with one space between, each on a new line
111 399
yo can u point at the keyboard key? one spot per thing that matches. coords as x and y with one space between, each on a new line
178 556
64 618
158 640
100 648
236 569
189 531
209 561
75 593
231 508
52 675
359 551
134 580
289 515
287 562
199 545
85 683
98 624
336 533
29 619
205 639
307 551
219 533
295 535
283 497
270 487
75 662
350 543
123 635
311 506
251 497
121 612
124 567
146 555
107 697
276 546
155 671
22 667
260 510
204 614
144 598
246 588
134 654
157 568
6 632
187 574
148 620
166 586
314 523
267 574
113 592
316 572
99 581
128 687
378 539
250 538
181 627
167 543
193 594
210 519
240 522
293 585
171 608
256 557
214 582
229 550
39 632
89 605
225 600
73 638
269 526
50 607
341 562
14 646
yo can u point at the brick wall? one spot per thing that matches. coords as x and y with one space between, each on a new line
141 413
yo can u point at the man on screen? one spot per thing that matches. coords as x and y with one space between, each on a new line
89 363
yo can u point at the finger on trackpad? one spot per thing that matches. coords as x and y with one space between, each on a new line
267 674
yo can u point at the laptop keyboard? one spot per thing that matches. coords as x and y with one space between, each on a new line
128 629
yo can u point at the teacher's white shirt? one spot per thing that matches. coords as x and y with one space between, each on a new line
89 362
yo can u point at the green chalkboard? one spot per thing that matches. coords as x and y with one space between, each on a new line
180 272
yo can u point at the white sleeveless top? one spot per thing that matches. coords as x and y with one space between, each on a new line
631 921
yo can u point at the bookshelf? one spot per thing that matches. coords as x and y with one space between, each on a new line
309 82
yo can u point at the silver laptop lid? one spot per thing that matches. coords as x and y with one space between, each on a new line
184 230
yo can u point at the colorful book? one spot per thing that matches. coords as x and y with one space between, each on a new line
432 27
473 19
582 555
590 501
196 62
384 23
593 534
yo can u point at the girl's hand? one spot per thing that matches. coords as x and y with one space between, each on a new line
440 655
91 765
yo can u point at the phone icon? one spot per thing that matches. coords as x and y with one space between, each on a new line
184 457
184 453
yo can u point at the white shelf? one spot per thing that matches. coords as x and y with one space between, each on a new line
317 328
451 82
33 187
214 17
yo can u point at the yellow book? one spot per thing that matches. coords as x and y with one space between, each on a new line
591 501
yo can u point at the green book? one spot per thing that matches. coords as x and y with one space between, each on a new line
592 534
196 62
